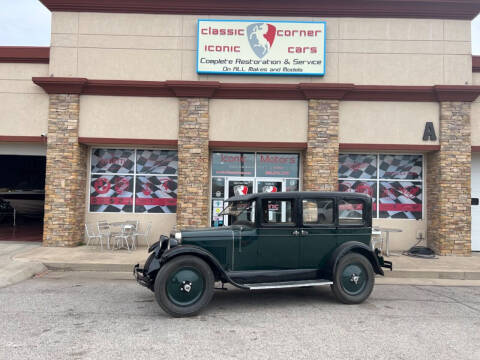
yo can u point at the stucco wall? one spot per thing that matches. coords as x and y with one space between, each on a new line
476 78
382 122
163 47
258 120
23 105
14 148
162 224
400 241
128 117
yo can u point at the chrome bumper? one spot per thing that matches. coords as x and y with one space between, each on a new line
141 278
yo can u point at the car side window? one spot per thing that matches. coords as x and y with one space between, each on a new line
317 211
350 212
278 212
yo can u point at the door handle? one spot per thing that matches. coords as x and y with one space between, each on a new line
304 233
295 233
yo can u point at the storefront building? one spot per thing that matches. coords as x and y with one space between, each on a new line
159 111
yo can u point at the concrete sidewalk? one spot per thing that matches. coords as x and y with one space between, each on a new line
11 271
84 258
443 267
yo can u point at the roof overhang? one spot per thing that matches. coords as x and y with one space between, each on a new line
24 54
425 9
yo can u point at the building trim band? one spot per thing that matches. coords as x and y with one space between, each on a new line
476 63
24 54
126 141
219 90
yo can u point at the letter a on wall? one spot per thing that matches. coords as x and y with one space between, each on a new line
429 132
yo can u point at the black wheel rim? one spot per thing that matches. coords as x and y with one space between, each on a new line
185 286
354 279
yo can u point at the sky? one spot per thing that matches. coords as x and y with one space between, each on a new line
27 23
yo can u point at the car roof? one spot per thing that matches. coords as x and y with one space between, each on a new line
298 194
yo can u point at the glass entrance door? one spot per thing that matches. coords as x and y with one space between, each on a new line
238 187
273 185
224 188
270 185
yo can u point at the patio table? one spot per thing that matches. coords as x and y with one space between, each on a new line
387 237
129 226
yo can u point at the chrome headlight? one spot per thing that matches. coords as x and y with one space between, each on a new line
178 236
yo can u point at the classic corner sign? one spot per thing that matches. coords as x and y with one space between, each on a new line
259 47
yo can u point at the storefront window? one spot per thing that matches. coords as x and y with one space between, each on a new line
153 176
233 164
275 165
245 173
395 182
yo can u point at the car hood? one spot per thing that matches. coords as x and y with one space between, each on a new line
211 231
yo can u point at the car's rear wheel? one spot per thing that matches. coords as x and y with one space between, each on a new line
184 286
353 279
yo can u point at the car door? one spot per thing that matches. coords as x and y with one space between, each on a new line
278 240
318 232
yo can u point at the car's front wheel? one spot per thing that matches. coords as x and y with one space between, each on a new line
184 286
353 279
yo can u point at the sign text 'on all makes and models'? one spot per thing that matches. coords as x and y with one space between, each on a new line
261 47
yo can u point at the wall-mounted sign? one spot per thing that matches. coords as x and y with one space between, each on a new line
429 132
260 47
233 164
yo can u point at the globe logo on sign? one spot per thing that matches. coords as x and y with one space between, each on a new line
261 37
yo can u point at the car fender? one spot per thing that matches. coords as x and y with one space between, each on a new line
217 269
357 247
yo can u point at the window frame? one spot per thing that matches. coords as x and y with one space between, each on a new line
333 224
260 217
364 213
377 179
134 174
254 177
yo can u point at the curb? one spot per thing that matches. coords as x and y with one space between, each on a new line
59 266
16 272
401 274
434 274
13 271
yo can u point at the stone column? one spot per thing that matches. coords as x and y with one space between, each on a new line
66 174
321 160
448 183
193 160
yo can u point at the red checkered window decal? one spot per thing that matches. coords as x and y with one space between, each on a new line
133 180
394 181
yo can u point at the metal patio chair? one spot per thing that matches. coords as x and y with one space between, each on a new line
105 231
145 234
122 238
91 236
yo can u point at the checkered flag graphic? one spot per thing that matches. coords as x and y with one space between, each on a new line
114 161
357 166
357 186
157 162
400 200
156 194
111 193
408 167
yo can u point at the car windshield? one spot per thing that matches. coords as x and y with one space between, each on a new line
240 213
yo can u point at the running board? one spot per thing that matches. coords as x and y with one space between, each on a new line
287 284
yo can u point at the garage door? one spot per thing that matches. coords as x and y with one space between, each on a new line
475 202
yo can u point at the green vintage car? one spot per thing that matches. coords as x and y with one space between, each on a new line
275 240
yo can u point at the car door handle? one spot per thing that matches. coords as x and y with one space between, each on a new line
296 233
304 233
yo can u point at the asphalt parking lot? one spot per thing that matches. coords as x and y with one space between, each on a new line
85 315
